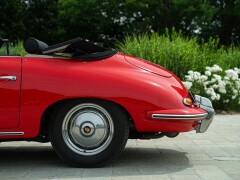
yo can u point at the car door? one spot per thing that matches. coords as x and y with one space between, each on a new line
10 82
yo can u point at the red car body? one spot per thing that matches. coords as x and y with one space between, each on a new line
145 91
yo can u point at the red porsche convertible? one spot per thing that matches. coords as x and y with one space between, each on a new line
88 101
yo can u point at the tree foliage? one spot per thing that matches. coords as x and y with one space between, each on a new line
59 20
11 23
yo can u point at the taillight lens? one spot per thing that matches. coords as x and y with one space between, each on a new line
187 102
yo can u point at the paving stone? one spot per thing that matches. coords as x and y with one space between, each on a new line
198 157
16 171
152 168
235 177
97 172
231 167
149 177
96 178
213 174
185 177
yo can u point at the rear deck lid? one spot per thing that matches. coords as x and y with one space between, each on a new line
148 66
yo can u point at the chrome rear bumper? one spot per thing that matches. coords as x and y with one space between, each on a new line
206 104
179 116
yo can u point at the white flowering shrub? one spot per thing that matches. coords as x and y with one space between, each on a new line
222 87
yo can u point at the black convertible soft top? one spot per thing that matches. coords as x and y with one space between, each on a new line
75 48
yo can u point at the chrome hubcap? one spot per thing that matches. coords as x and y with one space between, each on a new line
87 129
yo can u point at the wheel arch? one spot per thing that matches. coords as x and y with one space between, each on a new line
46 116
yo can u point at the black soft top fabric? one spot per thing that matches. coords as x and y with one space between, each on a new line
76 49
34 46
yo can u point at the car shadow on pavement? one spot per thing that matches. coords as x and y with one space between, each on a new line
39 155
42 161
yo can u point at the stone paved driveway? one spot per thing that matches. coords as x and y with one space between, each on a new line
213 155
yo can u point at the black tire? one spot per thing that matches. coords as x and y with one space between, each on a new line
76 139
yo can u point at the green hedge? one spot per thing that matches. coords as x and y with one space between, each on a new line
180 54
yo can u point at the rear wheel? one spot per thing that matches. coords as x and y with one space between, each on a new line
88 133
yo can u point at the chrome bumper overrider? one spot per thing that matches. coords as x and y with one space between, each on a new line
205 119
206 104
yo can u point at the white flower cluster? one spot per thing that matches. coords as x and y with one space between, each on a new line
215 68
216 83
187 84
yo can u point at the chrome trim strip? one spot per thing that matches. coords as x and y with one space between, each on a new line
55 49
11 133
46 56
179 116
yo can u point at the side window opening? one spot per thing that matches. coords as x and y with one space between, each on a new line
4 47
77 49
